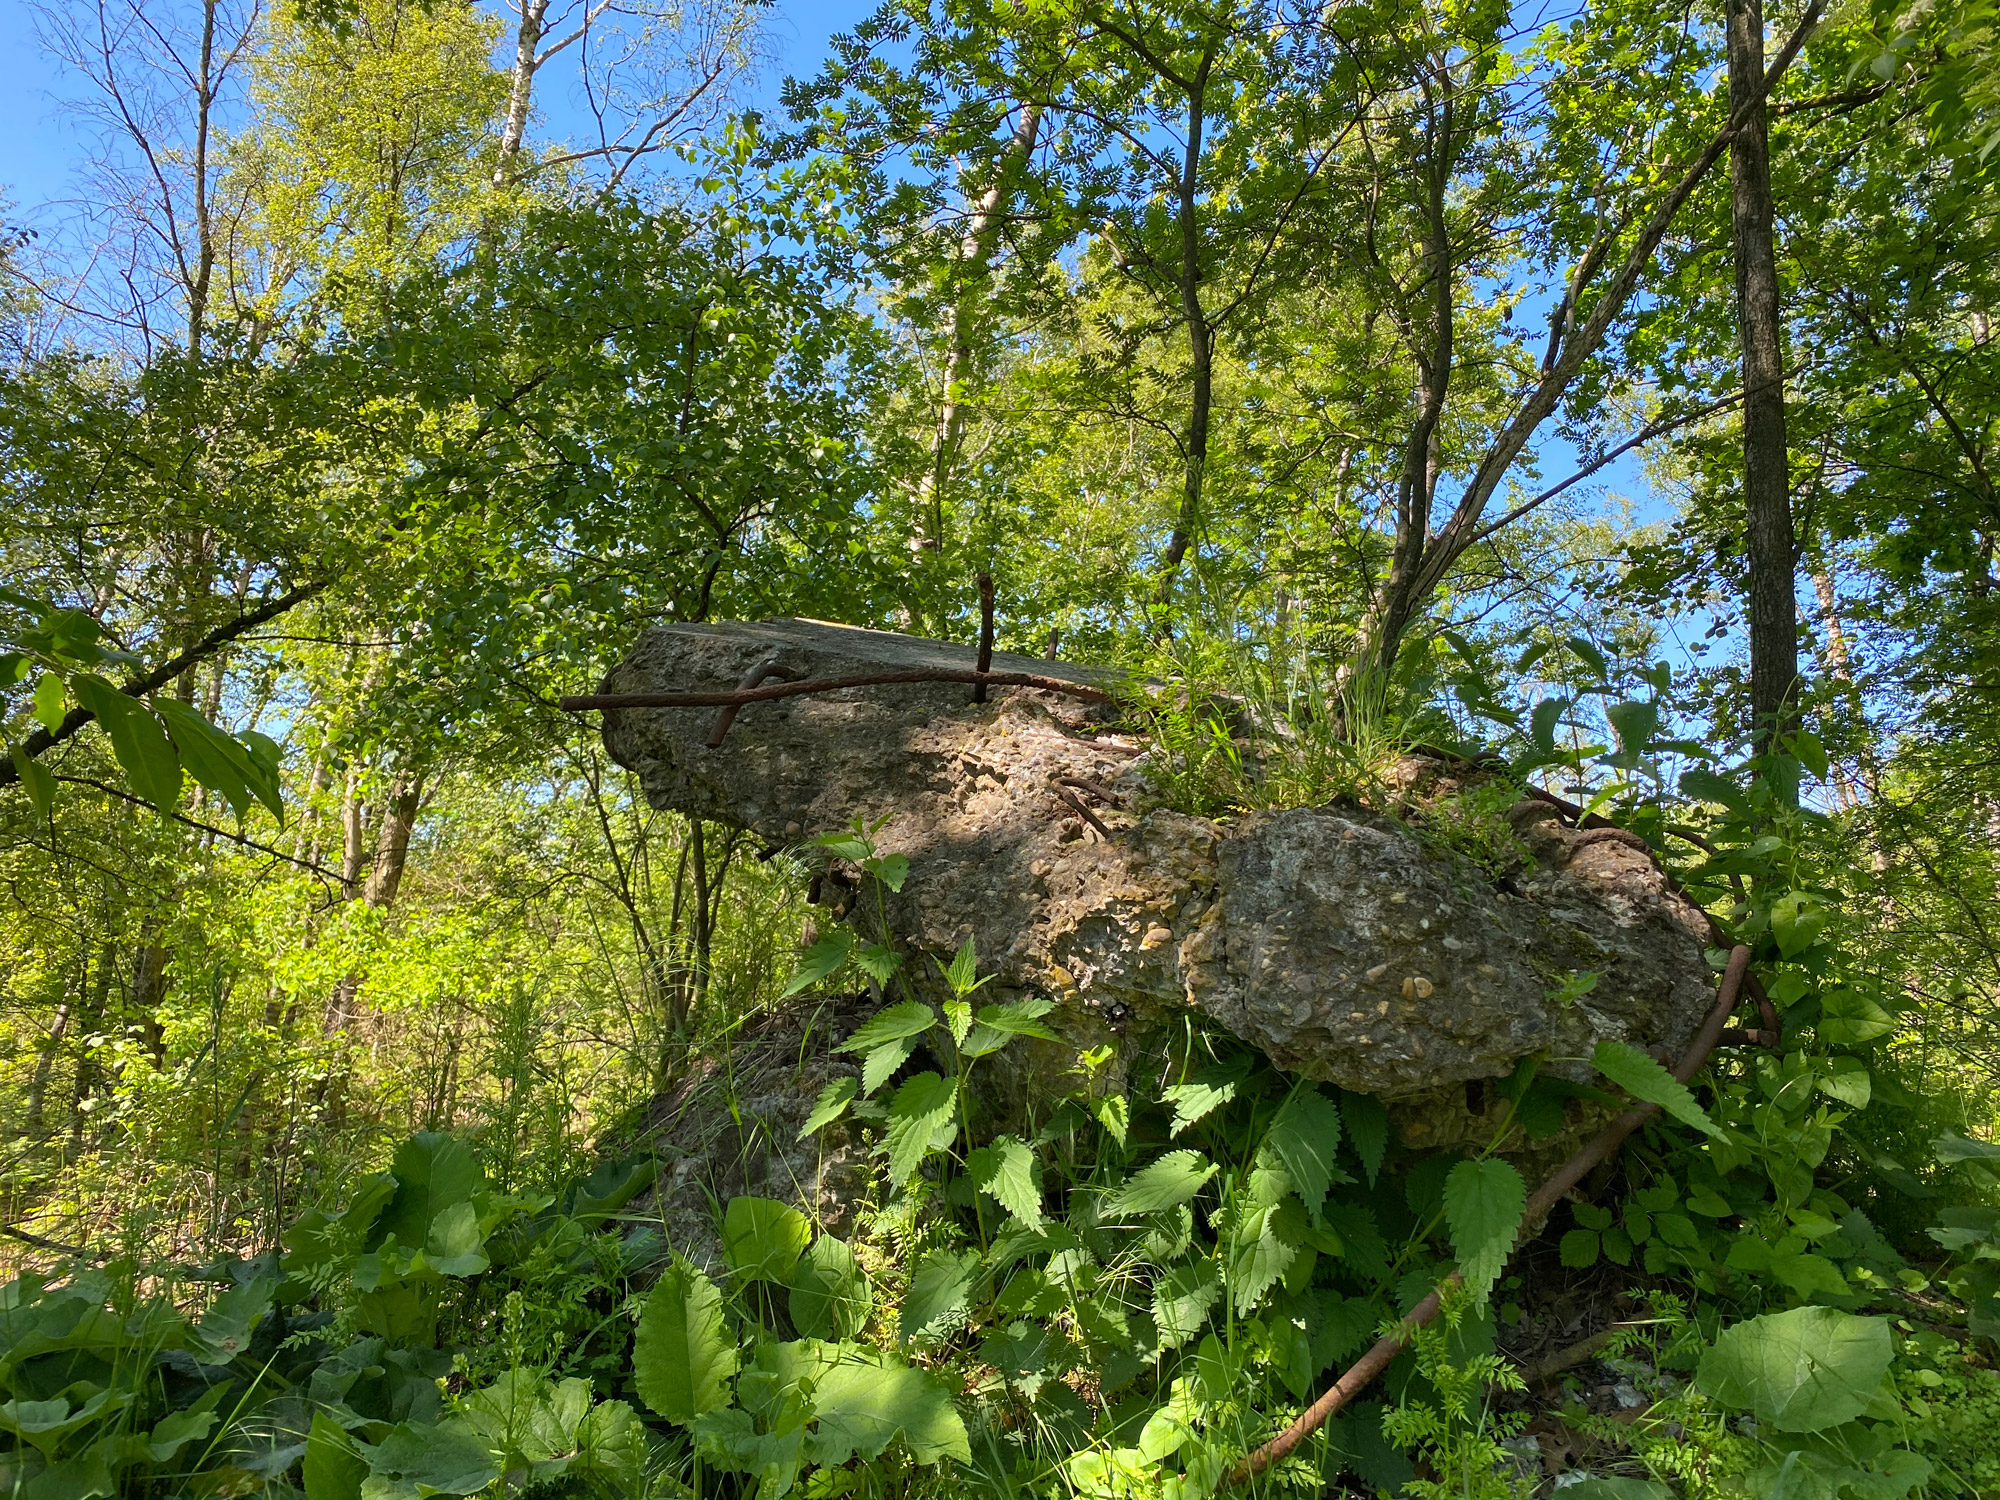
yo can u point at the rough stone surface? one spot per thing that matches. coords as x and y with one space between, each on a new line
1338 941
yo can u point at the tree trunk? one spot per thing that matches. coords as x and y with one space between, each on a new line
975 255
1201 340
1772 547
520 95
392 843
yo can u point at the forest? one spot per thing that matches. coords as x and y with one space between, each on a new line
1510 441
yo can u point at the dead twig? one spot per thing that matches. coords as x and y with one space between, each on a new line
1543 1201
1102 793
57 1247
1074 803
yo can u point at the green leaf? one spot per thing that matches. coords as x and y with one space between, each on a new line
1848 1018
922 1107
1707 786
822 959
1646 1080
1207 1091
1182 1299
831 1297
1543 721
1019 1018
1114 1113
939 1298
762 1239
963 972
1368 1128
140 745
894 1024
879 962
831 1105
1255 1253
333 1468
1846 1079
36 780
1007 1172
434 1460
213 758
47 706
1800 1371
1167 1183
1306 1135
1797 919
1952 1148
1483 1202
1634 722
433 1171
1617 1489
863 1404
1590 656
891 869
879 1066
1578 1248
681 1359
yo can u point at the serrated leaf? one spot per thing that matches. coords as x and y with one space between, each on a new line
762 1239
1114 1113
921 1109
880 1065
940 1297
822 959
1255 1254
1578 1248
1206 1092
879 962
1483 1201
1182 1299
831 1297
1007 1172
891 1024
681 1358
1306 1137
1368 1128
1167 1183
1590 656
1543 721
830 1106
962 974
891 869
1646 1080
1634 722
1019 1018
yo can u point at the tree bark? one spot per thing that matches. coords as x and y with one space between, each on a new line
520 94
392 842
1201 337
975 255
1772 546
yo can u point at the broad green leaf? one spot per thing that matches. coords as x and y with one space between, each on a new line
1646 1080
1172 1180
1019 1018
1952 1147
142 748
1008 1173
432 1171
333 1468
1797 919
1848 1018
225 1329
1635 723
1306 1136
47 707
939 1298
762 1239
830 1297
922 1107
611 1441
36 780
1800 1371
728 1440
1617 1489
681 1357
1590 656
1182 1299
1578 1248
215 759
1114 1113
1543 721
1368 1128
1483 1202
891 869
831 1105
821 960
1707 786
455 1244
436 1460
1846 1079
863 1404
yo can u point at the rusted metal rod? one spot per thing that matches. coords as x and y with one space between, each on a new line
757 676
1539 1206
985 634
811 685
